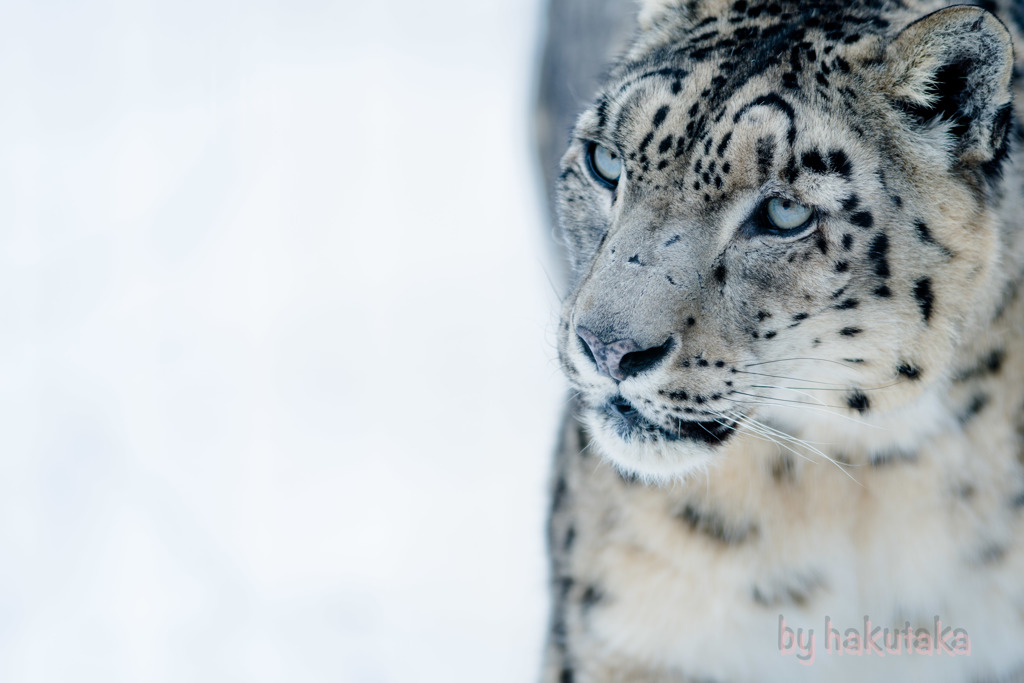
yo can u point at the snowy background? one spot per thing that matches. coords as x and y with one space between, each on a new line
259 263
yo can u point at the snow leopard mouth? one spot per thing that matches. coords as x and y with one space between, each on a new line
630 426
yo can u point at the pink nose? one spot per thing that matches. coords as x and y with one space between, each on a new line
623 358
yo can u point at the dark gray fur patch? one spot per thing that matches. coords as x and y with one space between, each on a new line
797 590
991 553
715 526
989 364
592 595
784 469
977 404
891 457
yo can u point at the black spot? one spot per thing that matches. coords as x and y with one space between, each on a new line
840 163
690 322
848 304
724 144
813 161
862 218
850 331
790 170
847 241
923 232
645 142
878 253
765 156
665 145
993 363
851 202
770 335
925 235
635 258
680 146
858 401
801 316
570 538
925 297
883 291
566 676
842 267
702 363
659 116
789 80
761 315
602 112
909 371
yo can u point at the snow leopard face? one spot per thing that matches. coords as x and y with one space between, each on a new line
779 215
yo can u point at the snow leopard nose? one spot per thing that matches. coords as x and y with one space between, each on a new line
623 358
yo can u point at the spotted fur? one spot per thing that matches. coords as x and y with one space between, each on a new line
821 425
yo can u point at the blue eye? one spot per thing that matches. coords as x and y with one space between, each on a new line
604 164
787 215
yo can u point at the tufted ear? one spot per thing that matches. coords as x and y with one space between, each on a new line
652 12
955 65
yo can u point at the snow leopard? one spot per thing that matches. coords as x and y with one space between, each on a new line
792 330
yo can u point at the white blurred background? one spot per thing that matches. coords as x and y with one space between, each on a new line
276 342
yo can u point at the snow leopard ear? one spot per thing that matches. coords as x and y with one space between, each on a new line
653 12
955 65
